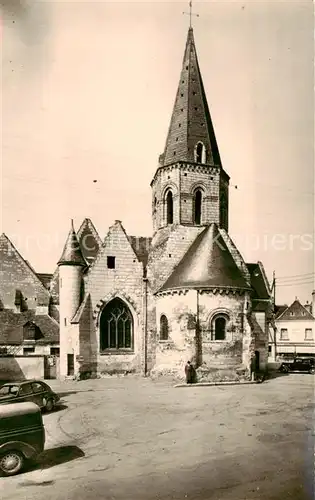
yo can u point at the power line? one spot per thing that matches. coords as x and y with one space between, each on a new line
298 284
296 276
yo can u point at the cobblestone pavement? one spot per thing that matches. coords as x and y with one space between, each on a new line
131 438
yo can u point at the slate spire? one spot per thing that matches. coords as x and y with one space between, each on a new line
72 254
191 121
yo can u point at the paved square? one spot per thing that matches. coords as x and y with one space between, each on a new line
131 438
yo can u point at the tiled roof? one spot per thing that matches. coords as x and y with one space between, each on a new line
90 241
76 318
141 246
280 309
191 121
296 311
207 264
72 254
45 279
11 327
17 274
258 281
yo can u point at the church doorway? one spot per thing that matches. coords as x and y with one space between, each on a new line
116 327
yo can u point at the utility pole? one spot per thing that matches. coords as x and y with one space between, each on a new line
273 290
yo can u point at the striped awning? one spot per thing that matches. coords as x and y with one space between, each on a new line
296 349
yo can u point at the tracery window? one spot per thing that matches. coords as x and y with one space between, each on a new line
116 326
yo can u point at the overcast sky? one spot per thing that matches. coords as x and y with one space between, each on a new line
87 94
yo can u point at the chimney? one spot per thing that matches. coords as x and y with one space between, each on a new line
308 306
313 302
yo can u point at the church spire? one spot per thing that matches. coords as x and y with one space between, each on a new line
191 134
72 254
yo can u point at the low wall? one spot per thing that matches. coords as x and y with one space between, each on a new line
21 367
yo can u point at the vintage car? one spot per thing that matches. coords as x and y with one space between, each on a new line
298 365
34 391
22 436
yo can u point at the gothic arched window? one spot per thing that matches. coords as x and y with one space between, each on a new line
116 326
197 206
169 207
164 332
200 153
218 327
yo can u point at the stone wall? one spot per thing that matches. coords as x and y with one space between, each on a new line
125 281
183 179
16 274
186 342
168 248
21 367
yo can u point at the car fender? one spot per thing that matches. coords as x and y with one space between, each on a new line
27 450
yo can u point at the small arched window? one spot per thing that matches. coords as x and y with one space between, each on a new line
200 153
197 206
163 327
169 207
154 204
219 324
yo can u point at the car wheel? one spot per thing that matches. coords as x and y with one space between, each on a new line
285 369
312 371
11 462
49 406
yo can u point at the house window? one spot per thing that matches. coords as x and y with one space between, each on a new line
200 153
111 262
30 331
169 207
284 334
197 207
164 328
309 334
218 330
116 326
54 351
28 350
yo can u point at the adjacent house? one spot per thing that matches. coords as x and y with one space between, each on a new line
293 332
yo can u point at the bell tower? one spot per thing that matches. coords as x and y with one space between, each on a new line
190 186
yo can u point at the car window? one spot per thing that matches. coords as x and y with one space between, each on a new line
25 390
6 390
37 387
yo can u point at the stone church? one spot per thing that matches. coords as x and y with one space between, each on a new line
148 305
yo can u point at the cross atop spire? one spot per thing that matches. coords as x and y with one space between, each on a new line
190 13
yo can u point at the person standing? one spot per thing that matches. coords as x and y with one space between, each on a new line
190 373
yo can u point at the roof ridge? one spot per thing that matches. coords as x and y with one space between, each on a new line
25 262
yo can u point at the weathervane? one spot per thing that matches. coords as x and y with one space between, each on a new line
190 13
